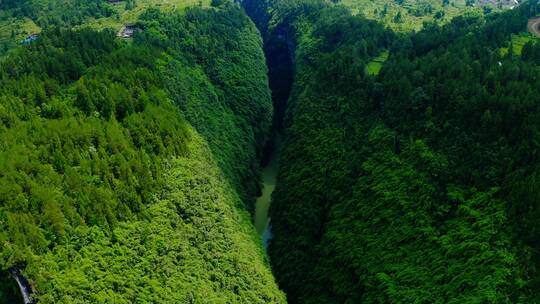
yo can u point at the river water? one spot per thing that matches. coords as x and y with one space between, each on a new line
269 178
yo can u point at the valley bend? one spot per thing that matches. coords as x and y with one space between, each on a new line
269 151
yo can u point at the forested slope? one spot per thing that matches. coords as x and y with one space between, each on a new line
416 185
20 19
126 169
54 12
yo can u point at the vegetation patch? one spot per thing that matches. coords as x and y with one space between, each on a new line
517 42
128 12
374 66
415 186
14 30
409 15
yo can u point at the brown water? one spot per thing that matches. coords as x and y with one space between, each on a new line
269 177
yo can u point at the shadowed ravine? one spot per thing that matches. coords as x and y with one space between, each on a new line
279 52
269 178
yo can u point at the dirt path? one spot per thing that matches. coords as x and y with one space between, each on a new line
533 26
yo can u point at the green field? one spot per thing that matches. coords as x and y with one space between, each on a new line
15 29
18 28
130 16
413 13
374 66
518 41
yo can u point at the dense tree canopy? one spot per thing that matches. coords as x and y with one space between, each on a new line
408 174
126 169
414 185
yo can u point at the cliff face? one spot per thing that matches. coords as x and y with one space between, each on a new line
279 48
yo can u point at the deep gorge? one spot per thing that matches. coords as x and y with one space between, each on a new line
379 192
154 149
279 53
401 167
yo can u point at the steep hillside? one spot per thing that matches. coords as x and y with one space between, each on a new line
20 19
126 169
408 167
415 184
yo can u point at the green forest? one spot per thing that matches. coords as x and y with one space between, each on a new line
408 170
118 159
416 184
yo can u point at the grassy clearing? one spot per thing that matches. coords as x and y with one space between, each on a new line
14 30
518 41
17 29
374 66
413 12
131 16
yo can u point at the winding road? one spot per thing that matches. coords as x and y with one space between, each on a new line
534 26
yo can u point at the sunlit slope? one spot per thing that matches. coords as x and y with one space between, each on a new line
124 14
406 15
126 169
17 29
20 19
